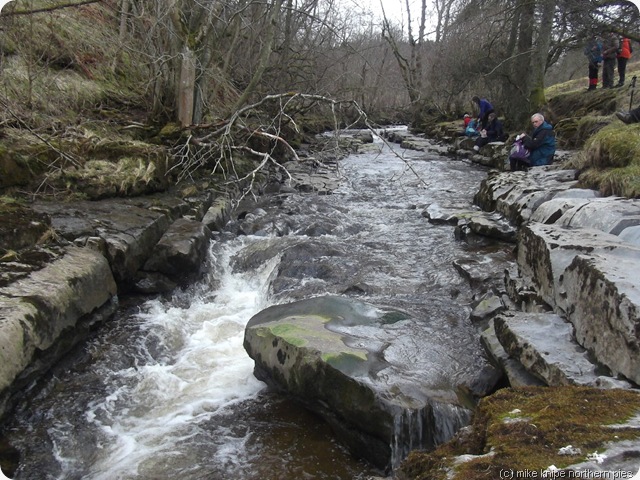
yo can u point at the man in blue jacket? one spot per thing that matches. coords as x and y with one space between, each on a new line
541 143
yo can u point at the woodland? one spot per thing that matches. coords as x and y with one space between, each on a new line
199 81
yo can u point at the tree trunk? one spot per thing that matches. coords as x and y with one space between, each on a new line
267 48
521 78
539 57
186 87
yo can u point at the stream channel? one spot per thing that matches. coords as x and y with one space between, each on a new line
166 390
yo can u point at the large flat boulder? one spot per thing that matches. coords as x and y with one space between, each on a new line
384 381
181 251
517 195
127 231
36 310
545 251
590 278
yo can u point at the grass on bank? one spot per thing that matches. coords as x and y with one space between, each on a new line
610 161
530 429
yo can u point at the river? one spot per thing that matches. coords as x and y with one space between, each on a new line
165 389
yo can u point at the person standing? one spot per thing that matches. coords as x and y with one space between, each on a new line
624 54
485 108
609 56
593 52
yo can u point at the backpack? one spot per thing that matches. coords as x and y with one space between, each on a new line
519 151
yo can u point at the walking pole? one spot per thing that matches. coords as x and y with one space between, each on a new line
633 89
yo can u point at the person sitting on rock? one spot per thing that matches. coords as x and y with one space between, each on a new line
472 129
493 132
632 116
466 119
541 144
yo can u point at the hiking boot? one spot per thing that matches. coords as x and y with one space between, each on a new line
625 117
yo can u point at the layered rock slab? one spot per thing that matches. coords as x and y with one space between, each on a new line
544 344
384 382
590 278
36 310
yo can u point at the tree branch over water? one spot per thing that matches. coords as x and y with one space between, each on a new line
214 144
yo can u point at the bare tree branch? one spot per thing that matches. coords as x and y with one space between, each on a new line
11 13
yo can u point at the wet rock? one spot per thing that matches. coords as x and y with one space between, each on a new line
384 383
487 308
218 214
439 215
516 373
35 311
181 251
483 272
153 282
494 226
365 136
544 344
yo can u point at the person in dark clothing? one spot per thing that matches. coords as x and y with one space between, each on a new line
485 108
492 133
541 143
593 52
632 116
609 54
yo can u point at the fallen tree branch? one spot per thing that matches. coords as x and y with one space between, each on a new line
216 142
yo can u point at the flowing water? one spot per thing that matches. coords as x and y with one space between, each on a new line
165 389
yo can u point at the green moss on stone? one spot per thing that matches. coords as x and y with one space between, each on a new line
291 334
525 428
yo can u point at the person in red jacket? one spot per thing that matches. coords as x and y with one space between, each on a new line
624 54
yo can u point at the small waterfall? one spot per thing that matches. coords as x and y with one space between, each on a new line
408 434
191 367
425 428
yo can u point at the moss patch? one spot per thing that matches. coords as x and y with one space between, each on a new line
291 334
611 161
525 428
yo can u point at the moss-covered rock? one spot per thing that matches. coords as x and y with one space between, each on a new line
373 373
529 429
611 160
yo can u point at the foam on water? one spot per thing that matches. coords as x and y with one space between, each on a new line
197 369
